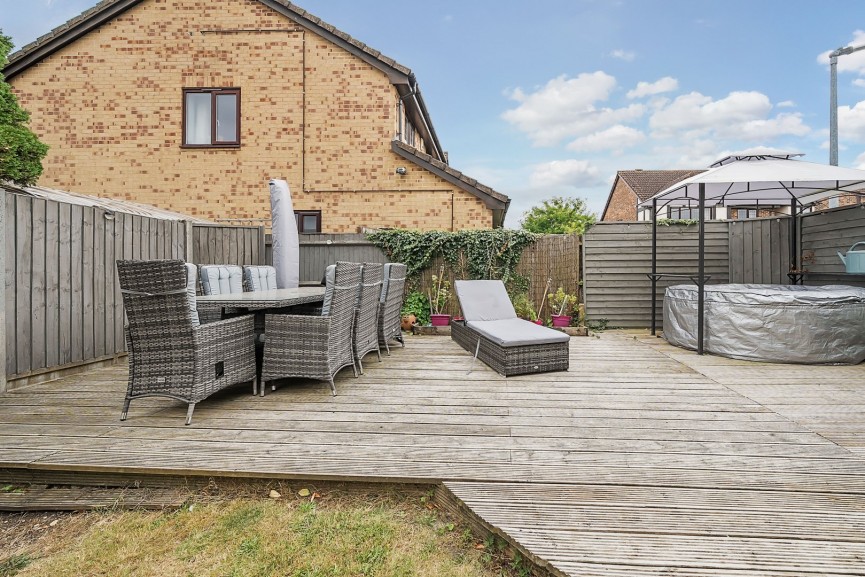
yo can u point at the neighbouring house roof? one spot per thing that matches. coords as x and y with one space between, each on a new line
495 201
648 183
400 76
107 204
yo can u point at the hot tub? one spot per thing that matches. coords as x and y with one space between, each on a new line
775 323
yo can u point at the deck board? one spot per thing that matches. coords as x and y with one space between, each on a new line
642 459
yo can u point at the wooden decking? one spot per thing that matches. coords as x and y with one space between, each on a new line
642 459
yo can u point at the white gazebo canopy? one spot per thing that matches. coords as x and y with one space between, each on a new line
767 179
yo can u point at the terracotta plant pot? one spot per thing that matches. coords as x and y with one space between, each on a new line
407 322
440 320
561 320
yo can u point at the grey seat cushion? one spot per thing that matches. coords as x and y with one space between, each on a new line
384 282
330 278
517 332
484 300
191 285
259 278
221 279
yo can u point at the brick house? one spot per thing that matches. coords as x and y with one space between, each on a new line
192 105
632 187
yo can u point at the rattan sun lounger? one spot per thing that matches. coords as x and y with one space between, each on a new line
493 333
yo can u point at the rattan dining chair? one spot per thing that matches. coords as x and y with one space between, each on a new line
365 338
169 354
315 347
390 305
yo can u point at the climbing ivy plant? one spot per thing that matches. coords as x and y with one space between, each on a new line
471 254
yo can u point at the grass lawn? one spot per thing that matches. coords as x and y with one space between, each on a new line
248 531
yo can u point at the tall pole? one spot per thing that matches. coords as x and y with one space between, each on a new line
833 109
654 263
701 269
833 99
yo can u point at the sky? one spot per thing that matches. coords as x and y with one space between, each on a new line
548 98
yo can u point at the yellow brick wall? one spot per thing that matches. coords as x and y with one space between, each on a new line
622 205
110 107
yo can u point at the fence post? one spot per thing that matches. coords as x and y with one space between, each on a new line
3 225
187 238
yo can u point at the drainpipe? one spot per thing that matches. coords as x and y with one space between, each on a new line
303 114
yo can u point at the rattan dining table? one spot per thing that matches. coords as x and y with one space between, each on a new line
261 301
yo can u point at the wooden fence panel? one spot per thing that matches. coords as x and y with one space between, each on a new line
219 244
618 256
24 264
52 284
38 310
317 251
65 282
759 250
63 302
824 235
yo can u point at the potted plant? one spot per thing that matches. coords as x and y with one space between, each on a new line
438 298
415 310
524 307
562 305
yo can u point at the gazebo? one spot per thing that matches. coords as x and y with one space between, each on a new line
743 180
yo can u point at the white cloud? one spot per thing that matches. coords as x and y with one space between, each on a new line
741 115
565 173
849 62
786 104
851 122
687 154
567 107
860 161
616 138
626 55
665 84
859 82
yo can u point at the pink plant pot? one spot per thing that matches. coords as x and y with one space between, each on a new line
561 320
440 320
538 322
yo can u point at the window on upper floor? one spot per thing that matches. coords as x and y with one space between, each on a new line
211 117
308 221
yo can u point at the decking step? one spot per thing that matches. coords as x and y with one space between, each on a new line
68 498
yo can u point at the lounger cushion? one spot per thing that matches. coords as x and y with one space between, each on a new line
259 278
191 285
330 279
221 279
517 332
484 300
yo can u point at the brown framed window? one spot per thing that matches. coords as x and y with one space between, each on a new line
211 117
308 221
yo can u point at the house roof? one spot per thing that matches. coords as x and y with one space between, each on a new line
495 201
107 204
400 76
647 183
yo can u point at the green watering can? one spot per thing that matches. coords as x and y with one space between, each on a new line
855 259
